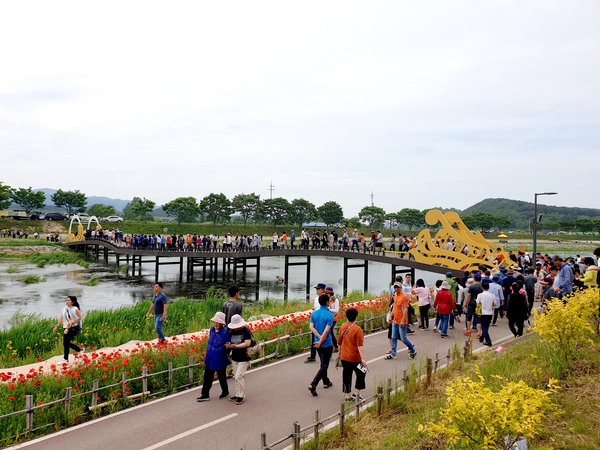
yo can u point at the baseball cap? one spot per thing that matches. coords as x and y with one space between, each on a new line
477 277
329 289
320 286
398 285
449 274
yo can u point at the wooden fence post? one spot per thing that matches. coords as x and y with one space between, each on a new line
95 392
296 436
342 420
191 369
29 414
405 379
170 375
379 399
435 366
67 399
317 427
429 370
144 382
124 384
388 392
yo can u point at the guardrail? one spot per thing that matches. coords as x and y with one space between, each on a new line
121 390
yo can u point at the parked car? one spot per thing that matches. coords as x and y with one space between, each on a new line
35 216
83 217
112 219
53 216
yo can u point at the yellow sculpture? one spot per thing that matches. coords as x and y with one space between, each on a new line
454 246
80 236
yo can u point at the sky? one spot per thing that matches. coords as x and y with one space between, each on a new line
403 104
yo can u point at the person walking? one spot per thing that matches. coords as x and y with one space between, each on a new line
351 341
444 305
241 338
159 305
321 323
424 297
320 288
488 302
232 306
400 322
71 320
216 359
334 308
517 310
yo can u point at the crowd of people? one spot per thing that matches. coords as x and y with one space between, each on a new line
483 296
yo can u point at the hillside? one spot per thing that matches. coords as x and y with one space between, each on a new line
520 213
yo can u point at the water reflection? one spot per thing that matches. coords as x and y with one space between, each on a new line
115 290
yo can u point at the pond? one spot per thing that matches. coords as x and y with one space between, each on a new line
114 289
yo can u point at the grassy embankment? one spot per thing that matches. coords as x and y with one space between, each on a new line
562 351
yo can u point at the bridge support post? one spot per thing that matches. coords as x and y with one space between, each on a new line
364 265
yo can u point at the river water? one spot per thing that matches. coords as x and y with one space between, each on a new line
115 290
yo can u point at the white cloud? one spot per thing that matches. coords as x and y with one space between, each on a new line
440 103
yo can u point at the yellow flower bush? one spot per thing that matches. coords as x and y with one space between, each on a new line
479 418
569 326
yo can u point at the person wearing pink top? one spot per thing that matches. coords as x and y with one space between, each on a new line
424 297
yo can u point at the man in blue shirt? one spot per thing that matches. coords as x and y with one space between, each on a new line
159 305
321 323
565 277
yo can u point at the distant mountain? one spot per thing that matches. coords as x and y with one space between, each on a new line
521 213
117 203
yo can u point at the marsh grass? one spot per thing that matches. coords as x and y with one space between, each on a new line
94 281
12 269
43 259
32 279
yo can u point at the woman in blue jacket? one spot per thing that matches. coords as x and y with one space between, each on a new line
216 359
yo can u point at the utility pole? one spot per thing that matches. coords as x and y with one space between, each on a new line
372 199
271 189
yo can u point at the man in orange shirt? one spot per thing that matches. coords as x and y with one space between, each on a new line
400 322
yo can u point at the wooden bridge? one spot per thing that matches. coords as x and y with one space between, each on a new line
193 261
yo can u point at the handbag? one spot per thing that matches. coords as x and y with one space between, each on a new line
479 309
252 349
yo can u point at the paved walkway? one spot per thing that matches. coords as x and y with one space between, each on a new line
277 396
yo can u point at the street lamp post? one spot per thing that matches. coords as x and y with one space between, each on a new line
535 222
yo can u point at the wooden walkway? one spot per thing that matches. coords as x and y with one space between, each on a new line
192 261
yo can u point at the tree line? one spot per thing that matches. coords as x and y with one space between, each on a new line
219 209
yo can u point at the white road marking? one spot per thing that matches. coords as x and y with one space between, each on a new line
189 432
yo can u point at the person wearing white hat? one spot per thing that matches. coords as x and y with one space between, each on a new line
216 359
241 338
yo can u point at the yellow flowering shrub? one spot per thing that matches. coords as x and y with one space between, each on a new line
479 418
569 326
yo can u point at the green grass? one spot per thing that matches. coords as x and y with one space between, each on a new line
43 259
12 269
93 282
574 425
32 279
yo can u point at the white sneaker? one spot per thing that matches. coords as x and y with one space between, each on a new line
434 328
65 361
81 350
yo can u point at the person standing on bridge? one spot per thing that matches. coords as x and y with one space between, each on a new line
159 305
321 323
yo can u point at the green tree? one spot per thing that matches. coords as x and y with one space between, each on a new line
411 217
248 205
28 200
70 201
217 207
139 209
185 209
484 221
276 210
391 219
303 211
470 222
100 210
5 194
352 222
331 213
372 215
502 222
